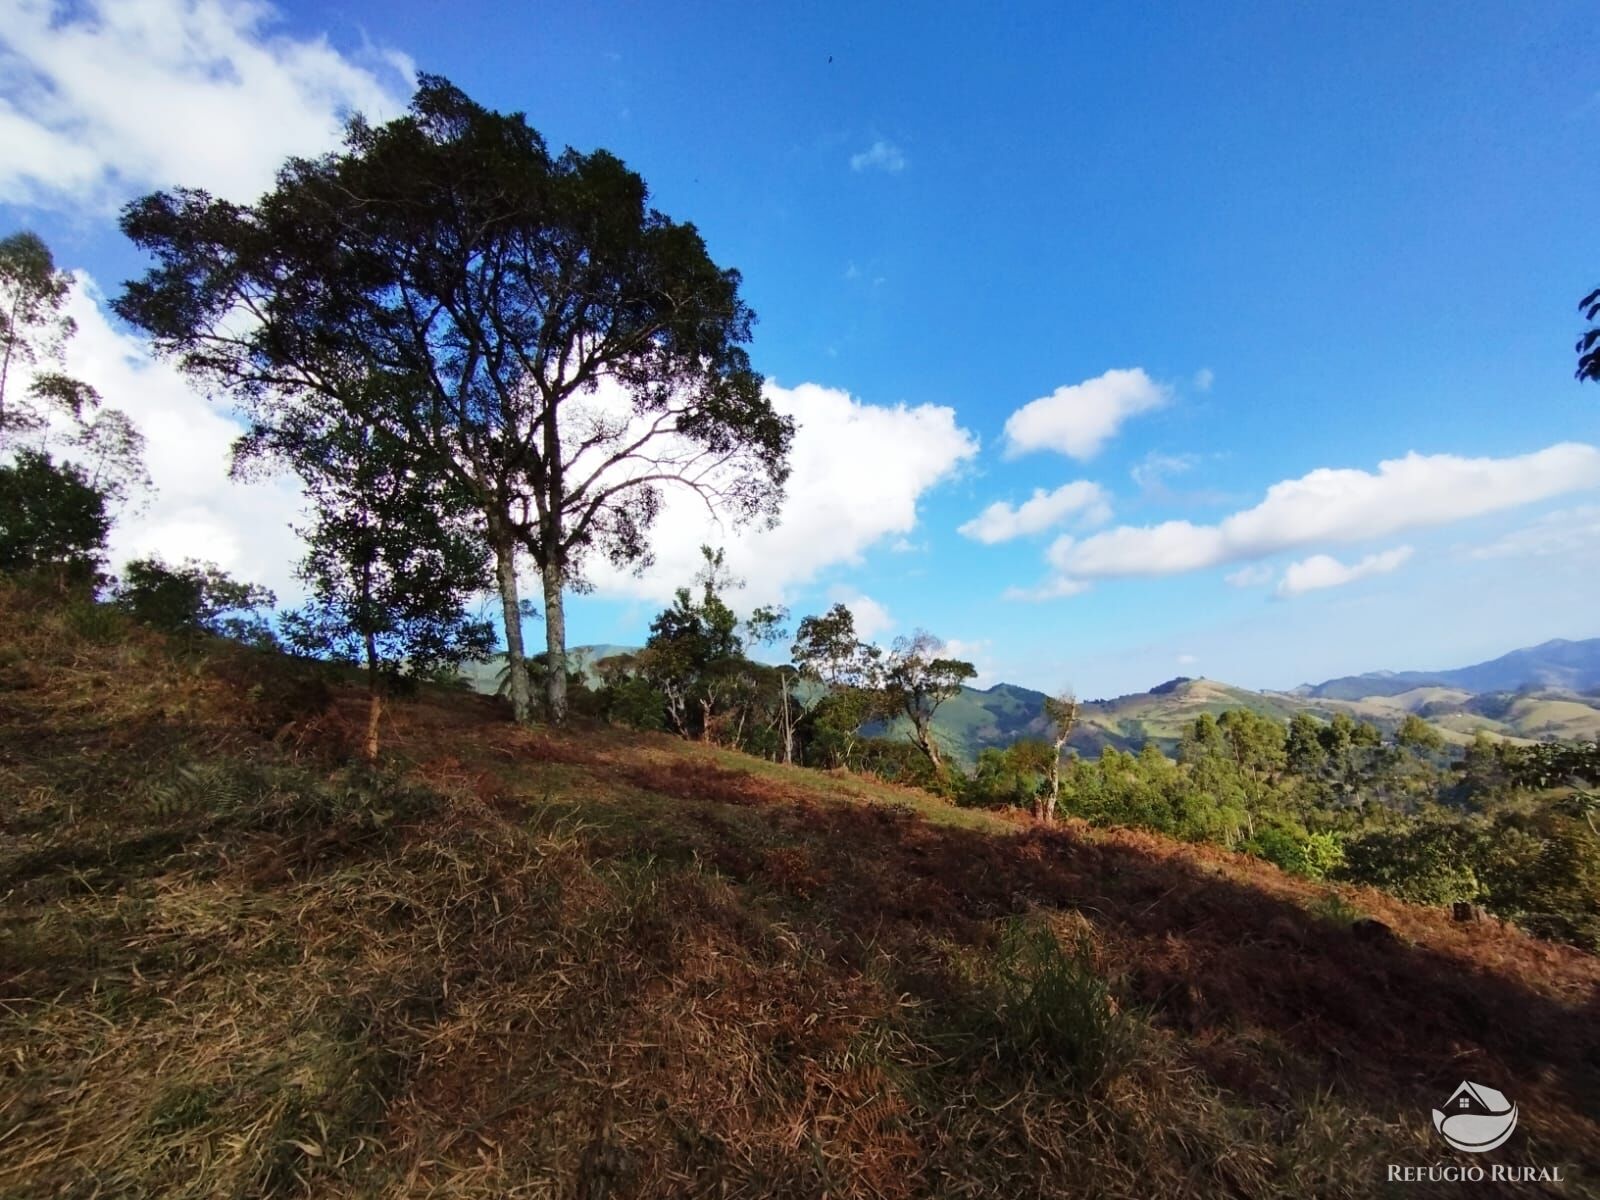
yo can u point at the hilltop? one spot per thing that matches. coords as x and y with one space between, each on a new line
516 961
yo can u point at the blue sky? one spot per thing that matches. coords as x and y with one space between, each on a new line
1304 239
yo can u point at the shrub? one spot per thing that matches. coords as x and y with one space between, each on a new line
1312 855
51 518
1426 864
194 598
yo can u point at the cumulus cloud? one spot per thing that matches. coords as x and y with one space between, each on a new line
1330 505
880 156
1324 571
107 98
873 620
1078 419
1000 522
197 510
858 473
1203 379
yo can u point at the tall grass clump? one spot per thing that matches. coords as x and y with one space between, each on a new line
1053 1004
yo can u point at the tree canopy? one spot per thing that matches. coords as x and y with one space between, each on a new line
522 322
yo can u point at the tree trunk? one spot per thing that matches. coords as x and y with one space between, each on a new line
374 712
788 725
374 692
1055 783
555 641
511 609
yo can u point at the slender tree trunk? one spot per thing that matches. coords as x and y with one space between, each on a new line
555 641
374 700
5 363
511 609
788 725
374 714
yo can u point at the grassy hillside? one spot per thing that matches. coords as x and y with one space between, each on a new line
596 965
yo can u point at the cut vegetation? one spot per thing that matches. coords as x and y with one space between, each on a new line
598 963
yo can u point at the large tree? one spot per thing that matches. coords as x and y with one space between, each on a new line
523 322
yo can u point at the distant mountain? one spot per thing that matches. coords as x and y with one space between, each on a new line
1558 665
1544 692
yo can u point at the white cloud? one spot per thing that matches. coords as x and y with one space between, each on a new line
880 156
1000 522
1080 418
197 510
872 619
858 472
1187 660
1567 531
1203 379
1324 571
108 98
1254 575
1331 505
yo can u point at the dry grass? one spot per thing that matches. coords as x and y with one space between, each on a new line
595 964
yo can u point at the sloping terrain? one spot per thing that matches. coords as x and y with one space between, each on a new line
519 963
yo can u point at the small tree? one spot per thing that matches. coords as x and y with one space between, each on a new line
694 650
34 329
917 679
51 518
827 651
1417 735
1061 710
391 565
195 598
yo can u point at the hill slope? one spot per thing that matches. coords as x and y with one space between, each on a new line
520 963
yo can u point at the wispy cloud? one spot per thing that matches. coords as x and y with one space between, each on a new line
1565 531
1255 575
880 156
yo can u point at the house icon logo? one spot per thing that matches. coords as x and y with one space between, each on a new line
1476 1118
